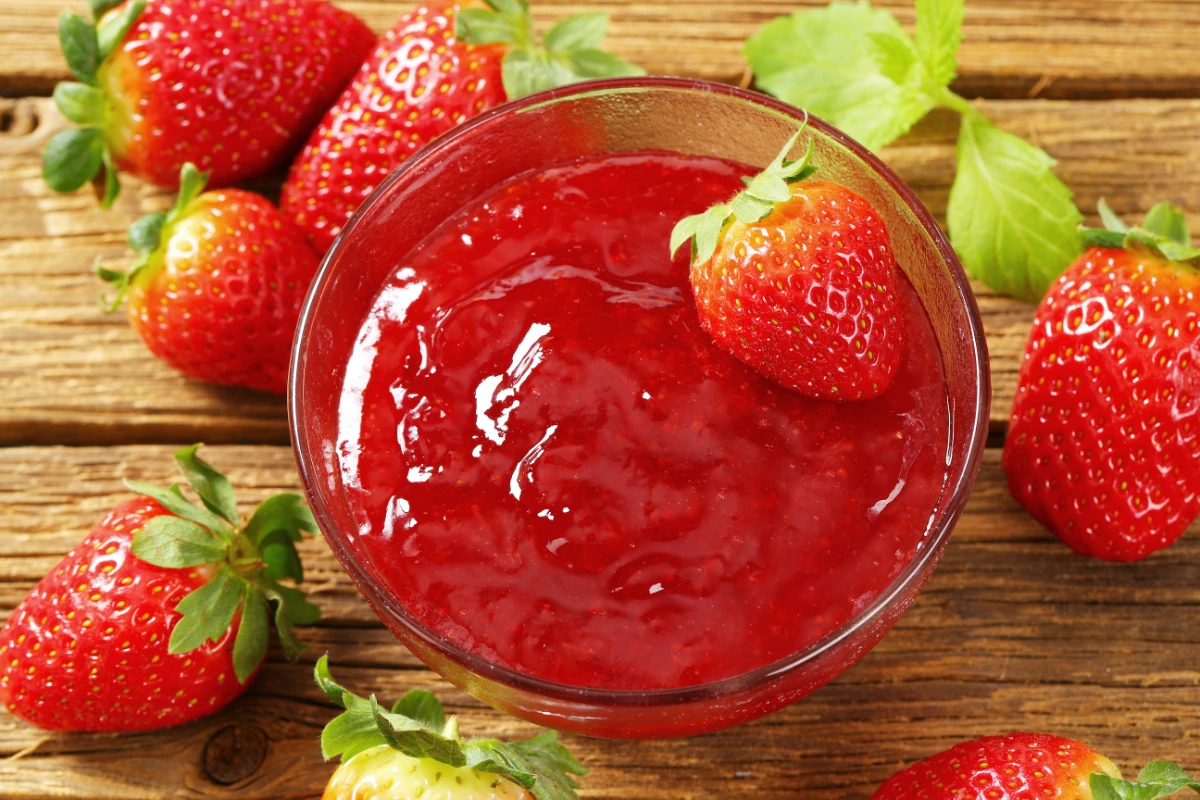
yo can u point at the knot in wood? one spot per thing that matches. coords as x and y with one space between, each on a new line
234 753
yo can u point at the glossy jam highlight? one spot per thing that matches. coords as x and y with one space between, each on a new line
553 467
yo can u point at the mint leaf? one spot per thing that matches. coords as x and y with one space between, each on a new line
174 542
250 644
482 26
214 489
1011 220
590 63
579 32
207 612
937 36
848 63
423 707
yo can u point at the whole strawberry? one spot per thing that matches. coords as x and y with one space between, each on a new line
797 279
414 751
217 286
440 65
1102 447
160 616
231 85
1028 766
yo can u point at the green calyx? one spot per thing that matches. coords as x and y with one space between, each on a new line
417 726
1163 233
251 559
147 235
1158 779
75 157
755 202
570 52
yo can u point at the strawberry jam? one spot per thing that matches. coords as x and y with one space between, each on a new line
554 467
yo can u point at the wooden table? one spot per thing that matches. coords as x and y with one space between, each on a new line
1013 631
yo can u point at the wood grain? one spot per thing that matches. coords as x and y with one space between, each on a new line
1012 48
70 373
1013 632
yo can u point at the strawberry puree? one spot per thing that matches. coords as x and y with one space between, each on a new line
553 466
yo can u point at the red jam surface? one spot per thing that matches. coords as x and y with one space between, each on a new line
554 467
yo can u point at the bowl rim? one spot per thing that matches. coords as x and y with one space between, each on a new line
954 496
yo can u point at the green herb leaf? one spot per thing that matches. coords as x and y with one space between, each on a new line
1159 779
332 689
291 608
174 501
708 233
285 512
207 612
524 72
540 764
250 645
351 732
174 542
684 230
80 103
72 158
849 63
415 740
491 756
145 235
579 32
214 489
79 45
105 181
100 7
588 64
423 707
482 26
111 32
1011 220
938 34
1168 221
280 556
749 209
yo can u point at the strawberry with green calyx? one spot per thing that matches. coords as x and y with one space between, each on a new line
439 65
161 615
1029 765
231 85
413 749
1102 443
797 279
217 285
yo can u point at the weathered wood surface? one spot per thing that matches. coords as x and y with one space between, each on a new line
70 373
1013 632
1013 48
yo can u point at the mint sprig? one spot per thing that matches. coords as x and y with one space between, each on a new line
1158 779
249 560
418 727
75 157
1010 219
570 51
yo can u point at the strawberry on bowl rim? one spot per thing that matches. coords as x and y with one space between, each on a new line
557 126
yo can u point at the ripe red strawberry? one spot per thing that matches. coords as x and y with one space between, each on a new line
414 751
437 67
798 279
231 85
217 286
1103 446
1027 766
159 616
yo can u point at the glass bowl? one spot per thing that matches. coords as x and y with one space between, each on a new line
546 129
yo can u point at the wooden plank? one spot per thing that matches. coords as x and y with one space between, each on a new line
69 373
1013 632
1070 48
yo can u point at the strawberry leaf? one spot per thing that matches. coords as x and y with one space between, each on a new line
174 501
1111 221
291 608
105 182
207 612
1158 779
100 7
1011 220
215 490
937 36
80 103
280 557
579 32
72 157
145 235
413 739
423 707
1167 221
111 31
285 512
250 645
174 542
79 46
351 732
542 758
